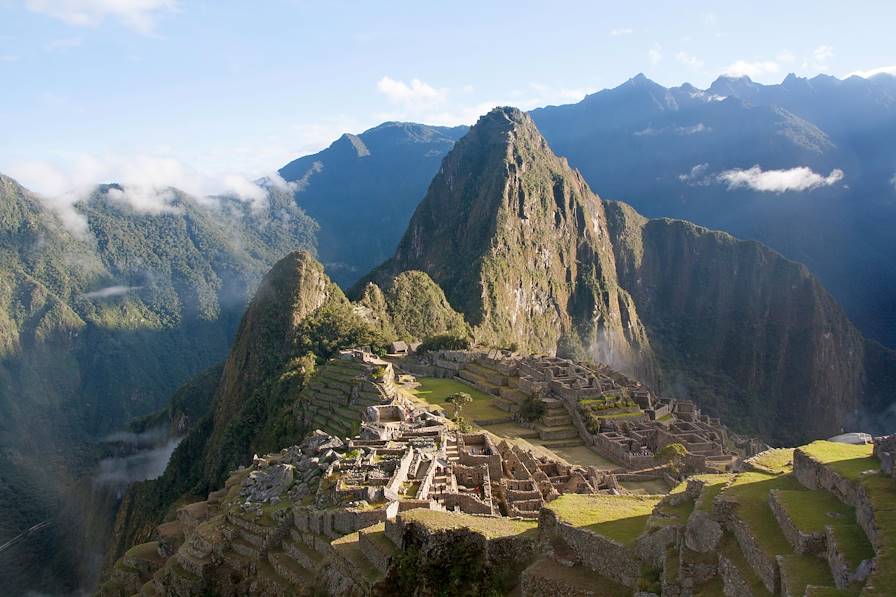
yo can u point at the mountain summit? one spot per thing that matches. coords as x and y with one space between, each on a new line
519 244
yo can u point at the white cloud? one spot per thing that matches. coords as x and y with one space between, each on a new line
779 181
416 93
110 291
756 69
146 183
8 58
139 15
696 176
893 181
454 107
785 56
655 54
881 70
691 62
822 53
621 31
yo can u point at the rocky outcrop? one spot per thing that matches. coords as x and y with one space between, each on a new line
519 244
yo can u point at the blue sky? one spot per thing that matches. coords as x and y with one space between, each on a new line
207 94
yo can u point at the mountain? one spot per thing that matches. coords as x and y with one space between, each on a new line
529 254
688 153
297 319
518 243
100 325
362 189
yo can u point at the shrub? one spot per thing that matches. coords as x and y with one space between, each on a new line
532 409
444 342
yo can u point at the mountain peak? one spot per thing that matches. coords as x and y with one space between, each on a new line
516 240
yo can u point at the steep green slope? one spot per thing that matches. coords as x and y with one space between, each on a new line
518 243
99 327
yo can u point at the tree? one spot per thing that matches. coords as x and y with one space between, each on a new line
459 400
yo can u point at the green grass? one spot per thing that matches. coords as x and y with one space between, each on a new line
714 484
750 489
491 527
650 487
668 515
852 462
798 571
580 577
622 518
812 511
435 390
775 461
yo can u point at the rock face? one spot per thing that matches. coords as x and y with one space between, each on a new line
752 335
520 246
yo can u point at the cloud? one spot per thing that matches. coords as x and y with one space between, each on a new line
756 69
8 58
415 93
822 53
779 181
785 56
881 70
655 54
675 130
690 61
621 31
110 291
139 15
145 180
696 176
893 181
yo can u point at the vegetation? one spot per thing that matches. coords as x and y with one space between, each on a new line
621 518
776 461
532 409
459 400
435 390
444 342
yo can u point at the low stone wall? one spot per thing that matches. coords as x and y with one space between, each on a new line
765 566
804 543
605 556
840 569
814 475
733 582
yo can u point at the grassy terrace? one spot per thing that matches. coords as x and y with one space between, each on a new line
812 511
799 571
857 464
713 487
490 527
435 390
616 517
776 461
751 489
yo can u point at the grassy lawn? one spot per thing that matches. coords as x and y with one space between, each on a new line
435 390
751 489
585 579
667 515
490 526
622 518
852 462
775 461
798 571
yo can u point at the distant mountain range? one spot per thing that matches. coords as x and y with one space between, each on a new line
818 147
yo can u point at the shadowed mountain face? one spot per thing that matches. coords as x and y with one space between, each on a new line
665 151
98 328
528 253
363 189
